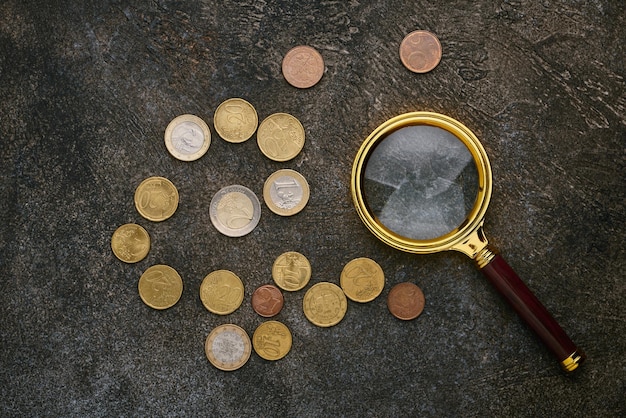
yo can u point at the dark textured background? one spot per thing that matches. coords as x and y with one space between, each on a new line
87 89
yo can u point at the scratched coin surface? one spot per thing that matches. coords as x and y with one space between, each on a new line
130 243
325 304
286 192
221 292
420 51
291 271
228 347
362 280
405 301
235 120
303 66
272 340
187 137
235 211
267 300
160 287
156 199
280 137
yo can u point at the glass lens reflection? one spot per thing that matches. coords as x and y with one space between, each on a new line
421 182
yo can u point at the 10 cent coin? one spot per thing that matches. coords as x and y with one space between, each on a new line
160 287
235 211
272 340
221 292
325 304
228 347
235 120
130 243
156 199
187 137
291 271
286 192
280 137
362 280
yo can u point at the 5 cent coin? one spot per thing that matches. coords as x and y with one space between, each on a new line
420 51
221 292
235 120
325 304
160 287
235 211
280 137
286 192
187 137
405 301
303 66
156 199
130 243
362 280
228 347
267 300
272 340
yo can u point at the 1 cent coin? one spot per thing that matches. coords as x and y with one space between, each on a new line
362 280
228 347
267 300
291 271
303 66
405 301
187 137
325 304
420 51
280 137
235 120
286 192
235 211
272 340
130 243
156 199
160 287
221 292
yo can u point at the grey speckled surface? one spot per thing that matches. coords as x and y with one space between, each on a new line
87 89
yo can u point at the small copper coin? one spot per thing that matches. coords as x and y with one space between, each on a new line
420 51
303 66
267 300
405 301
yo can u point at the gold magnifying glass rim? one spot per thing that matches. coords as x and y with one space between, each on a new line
472 222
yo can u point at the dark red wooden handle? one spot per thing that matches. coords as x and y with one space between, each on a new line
502 276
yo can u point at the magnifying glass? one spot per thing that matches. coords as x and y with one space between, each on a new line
421 183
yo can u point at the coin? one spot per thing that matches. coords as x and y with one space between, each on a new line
221 292
160 287
405 301
291 271
303 66
325 304
280 137
286 192
420 51
235 211
272 340
235 120
130 243
187 137
362 280
267 300
228 347
156 199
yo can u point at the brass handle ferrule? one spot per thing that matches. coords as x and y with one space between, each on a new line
574 360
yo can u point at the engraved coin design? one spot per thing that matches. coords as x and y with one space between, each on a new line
235 211
267 300
405 301
362 280
420 51
228 347
272 340
286 192
160 287
156 199
221 292
130 243
235 120
325 304
280 137
187 137
291 271
303 66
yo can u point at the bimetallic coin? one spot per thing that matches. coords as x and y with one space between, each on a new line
405 301
267 300
160 287
156 199
235 120
420 51
130 243
228 347
221 292
325 304
235 211
291 271
280 137
362 280
272 340
303 66
187 137
286 192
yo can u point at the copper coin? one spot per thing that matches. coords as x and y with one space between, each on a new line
405 301
267 300
420 51
303 67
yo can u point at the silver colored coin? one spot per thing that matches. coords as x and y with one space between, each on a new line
286 192
235 211
187 137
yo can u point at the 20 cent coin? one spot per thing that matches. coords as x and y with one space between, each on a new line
235 120
156 199
286 192
291 271
130 243
303 66
228 347
362 280
325 304
187 137
160 287
272 340
405 301
280 137
235 211
221 292
420 51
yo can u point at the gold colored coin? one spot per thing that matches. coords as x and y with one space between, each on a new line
303 66
280 137
325 304
228 347
235 120
187 137
362 280
272 340
286 192
291 271
221 292
160 287
130 243
156 199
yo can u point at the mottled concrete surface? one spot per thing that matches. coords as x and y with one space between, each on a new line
87 89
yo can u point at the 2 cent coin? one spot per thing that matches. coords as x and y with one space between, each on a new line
420 51
405 301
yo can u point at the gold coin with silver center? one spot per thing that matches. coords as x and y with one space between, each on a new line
160 287
228 347
187 137
286 192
